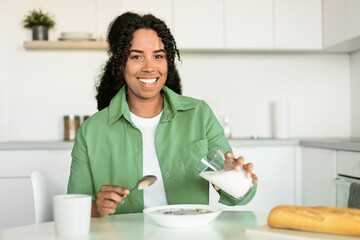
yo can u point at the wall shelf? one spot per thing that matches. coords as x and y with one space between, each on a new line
102 46
65 45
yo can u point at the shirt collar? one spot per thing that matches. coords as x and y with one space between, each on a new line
173 103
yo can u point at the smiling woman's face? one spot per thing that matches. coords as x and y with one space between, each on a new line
146 68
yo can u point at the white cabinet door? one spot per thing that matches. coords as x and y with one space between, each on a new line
348 163
159 8
298 24
198 23
248 24
109 9
275 168
106 11
341 24
318 173
353 18
21 163
334 22
16 202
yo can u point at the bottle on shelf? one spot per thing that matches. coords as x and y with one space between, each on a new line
227 129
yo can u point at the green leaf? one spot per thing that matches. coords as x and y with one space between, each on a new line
38 17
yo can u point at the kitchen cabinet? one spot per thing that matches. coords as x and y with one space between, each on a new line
248 24
298 24
233 25
348 172
106 11
318 174
348 163
352 18
17 204
341 25
145 6
275 168
15 185
334 22
198 24
245 24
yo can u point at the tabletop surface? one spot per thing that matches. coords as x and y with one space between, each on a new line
228 225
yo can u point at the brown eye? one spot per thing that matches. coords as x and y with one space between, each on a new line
136 57
159 56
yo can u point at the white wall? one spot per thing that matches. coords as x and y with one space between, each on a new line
355 94
4 73
316 86
45 85
38 87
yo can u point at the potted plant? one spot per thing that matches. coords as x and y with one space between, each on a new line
40 23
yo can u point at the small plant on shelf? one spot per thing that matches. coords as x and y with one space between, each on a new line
40 22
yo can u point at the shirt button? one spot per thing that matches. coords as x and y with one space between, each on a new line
159 137
167 174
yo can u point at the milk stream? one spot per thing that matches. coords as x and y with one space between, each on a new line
233 182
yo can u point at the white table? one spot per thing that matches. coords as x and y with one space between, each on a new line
228 225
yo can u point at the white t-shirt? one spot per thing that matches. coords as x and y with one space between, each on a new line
155 194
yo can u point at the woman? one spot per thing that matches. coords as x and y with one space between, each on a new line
144 126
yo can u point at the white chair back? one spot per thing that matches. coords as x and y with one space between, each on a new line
47 184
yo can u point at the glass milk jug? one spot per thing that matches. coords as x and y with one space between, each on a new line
220 171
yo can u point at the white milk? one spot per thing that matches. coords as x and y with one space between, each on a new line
233 182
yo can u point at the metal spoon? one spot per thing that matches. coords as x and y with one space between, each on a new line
145 182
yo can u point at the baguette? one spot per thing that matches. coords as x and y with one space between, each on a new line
316 219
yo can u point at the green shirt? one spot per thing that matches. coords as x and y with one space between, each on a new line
108 151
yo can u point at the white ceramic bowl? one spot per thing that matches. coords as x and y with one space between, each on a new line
182 221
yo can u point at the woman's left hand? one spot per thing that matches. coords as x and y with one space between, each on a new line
239 164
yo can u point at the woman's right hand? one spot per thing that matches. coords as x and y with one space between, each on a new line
107 199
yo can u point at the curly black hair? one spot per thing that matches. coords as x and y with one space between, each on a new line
120 35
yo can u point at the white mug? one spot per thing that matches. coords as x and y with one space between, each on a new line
72 214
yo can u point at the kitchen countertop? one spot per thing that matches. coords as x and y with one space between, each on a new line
57 145
262 142
36 145
347 144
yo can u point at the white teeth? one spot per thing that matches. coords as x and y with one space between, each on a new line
147 80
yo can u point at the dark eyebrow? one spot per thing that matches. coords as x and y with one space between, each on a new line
139 51
160 50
